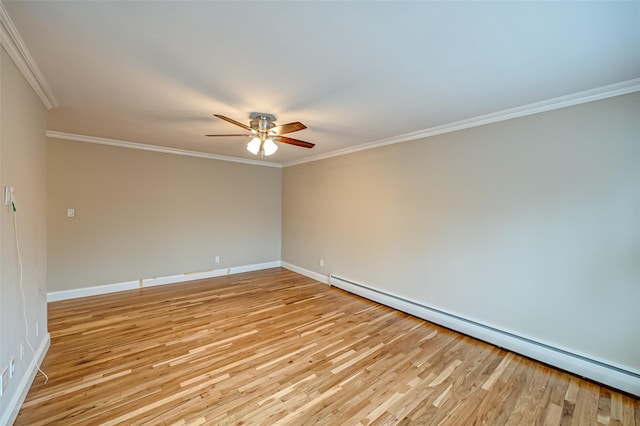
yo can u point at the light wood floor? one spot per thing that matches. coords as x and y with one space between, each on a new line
273 348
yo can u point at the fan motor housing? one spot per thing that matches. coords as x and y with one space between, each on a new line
262 122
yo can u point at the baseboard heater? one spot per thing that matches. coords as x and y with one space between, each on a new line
580 364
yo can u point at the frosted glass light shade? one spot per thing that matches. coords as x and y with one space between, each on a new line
254 146
269 147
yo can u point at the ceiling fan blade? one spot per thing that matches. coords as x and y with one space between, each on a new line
288 128
235 134
292 141
232 121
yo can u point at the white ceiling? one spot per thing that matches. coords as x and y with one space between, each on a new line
354 72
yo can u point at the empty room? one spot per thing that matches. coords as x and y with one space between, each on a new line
333 213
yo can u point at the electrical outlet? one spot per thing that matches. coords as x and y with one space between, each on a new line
322 263
217 259
5 381
12 368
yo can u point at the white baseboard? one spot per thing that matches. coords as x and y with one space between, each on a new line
256 267
14 404
55 296
566 359
306 272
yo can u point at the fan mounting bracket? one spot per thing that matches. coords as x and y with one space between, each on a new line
255 115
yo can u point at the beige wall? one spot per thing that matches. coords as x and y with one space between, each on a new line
530 225
143 214
23 166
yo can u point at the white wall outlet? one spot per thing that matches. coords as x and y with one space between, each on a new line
5 381
217 259
7 195
12 368
71 212
322 263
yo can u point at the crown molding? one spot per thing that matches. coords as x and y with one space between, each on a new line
604 92
609 91
16 49
156 148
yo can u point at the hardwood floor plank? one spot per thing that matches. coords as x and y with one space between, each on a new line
274 347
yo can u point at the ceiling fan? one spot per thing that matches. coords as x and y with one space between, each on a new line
265 133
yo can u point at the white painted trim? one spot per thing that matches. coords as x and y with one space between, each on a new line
156 148
255 267
619 377
591 95
75 293
306 272
19 54
174 279
15 403
55 296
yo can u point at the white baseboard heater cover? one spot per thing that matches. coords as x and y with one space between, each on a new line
600 371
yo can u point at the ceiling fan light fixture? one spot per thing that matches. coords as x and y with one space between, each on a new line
269 147
264 133
254 146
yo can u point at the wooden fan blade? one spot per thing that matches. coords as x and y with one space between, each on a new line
232 121
288 128
292 141
235 134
